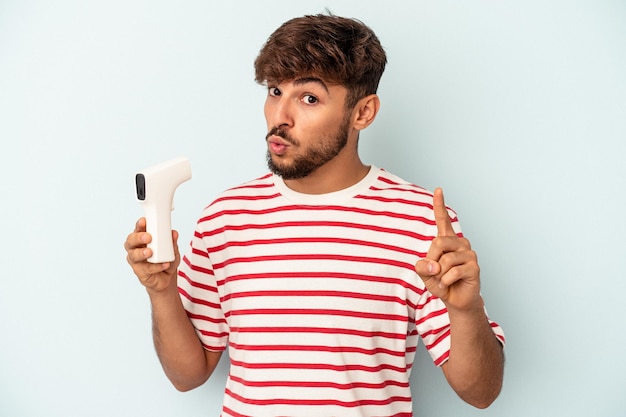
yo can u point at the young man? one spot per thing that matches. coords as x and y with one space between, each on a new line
321 276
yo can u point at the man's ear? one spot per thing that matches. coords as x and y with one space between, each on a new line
365 111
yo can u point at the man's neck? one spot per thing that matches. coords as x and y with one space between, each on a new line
335 175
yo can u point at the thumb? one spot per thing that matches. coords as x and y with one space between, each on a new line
427 268
175 236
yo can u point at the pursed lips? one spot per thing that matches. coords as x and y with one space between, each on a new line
277 144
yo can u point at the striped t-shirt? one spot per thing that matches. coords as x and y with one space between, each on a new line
316 296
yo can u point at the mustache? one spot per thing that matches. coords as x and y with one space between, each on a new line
277 131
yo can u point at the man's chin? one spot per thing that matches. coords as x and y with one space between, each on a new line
287 172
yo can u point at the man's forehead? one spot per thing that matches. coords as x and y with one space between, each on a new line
310 80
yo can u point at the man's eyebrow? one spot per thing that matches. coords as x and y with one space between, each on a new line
307 80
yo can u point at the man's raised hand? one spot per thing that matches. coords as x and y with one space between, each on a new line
450 270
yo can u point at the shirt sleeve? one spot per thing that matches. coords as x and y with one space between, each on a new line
200 297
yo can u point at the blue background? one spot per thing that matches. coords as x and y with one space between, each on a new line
516 109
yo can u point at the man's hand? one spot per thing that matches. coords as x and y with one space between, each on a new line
155 277
450 270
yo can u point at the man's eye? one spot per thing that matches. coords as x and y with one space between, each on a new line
309 99
273 91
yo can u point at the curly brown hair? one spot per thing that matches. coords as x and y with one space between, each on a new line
338 50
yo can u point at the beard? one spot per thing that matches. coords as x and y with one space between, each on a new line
320 152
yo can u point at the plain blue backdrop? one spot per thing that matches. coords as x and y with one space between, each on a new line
516 109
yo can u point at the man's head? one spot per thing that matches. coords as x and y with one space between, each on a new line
335 49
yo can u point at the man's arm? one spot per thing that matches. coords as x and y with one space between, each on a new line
450 271
185 361
476 364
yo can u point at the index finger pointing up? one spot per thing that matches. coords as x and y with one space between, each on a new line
442 219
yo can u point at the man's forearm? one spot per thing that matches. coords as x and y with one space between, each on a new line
182 356
476 364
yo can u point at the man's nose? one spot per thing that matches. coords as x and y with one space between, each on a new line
280 113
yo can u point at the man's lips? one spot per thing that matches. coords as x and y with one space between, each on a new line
277 145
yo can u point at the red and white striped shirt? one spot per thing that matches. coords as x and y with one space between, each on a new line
316 296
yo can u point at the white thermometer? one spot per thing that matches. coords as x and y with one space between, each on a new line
155 191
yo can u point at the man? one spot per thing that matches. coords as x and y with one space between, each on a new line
321 276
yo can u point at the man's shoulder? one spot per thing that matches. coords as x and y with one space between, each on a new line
259 188
396 189
390 183
258 185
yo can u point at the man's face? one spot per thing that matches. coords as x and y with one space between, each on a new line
308 126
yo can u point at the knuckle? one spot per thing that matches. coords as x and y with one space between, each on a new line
127 242
437 243
455 274
136 256
451 276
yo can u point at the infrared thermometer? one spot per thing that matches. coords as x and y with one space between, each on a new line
155 191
